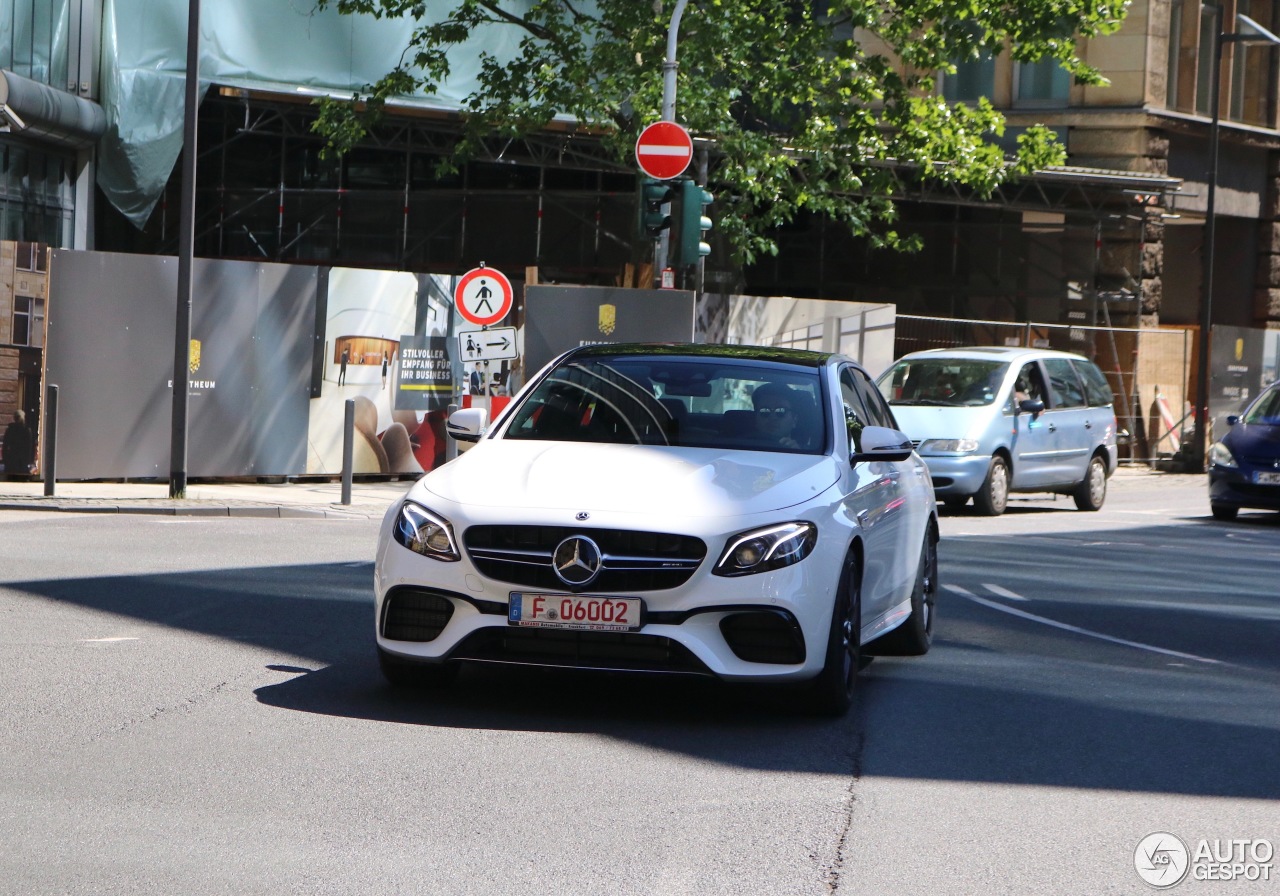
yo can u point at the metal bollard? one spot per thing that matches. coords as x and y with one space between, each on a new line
49 454
348 447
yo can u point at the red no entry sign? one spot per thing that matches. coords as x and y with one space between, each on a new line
483 296
664 150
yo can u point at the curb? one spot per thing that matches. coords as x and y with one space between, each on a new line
196 508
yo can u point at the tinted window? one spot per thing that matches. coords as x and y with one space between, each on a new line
1067 389
691 401
855 411
878 413
1096 388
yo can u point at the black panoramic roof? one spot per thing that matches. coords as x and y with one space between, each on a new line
765 353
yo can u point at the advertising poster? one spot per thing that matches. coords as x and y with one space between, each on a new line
399 393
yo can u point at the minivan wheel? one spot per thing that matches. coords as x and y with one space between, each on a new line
993 497
1091 492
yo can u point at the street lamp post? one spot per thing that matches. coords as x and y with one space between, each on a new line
1256 34
186 249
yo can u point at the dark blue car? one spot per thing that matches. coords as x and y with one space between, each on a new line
1244 465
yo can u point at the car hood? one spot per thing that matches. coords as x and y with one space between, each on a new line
922 422
1255 443
685 482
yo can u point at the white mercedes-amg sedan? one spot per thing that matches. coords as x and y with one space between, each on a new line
748 513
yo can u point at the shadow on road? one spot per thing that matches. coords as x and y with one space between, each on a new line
999 700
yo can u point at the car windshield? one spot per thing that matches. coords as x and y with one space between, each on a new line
686 401
1266 410
951 382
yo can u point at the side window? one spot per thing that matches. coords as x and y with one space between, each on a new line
1067 389
1096 388
878 413
1029 384
855 411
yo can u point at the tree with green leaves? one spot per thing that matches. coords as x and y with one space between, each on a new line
804 103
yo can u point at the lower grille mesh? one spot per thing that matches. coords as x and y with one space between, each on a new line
411 614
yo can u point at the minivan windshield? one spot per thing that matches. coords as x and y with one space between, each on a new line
946 382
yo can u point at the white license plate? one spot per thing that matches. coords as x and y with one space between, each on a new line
573 611
1266 478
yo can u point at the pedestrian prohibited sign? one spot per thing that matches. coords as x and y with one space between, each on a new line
483 296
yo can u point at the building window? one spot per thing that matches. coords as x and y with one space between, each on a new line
974 79
1043 84
28 321
29 257
37 38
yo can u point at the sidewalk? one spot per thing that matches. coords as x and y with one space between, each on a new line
300 499
369 500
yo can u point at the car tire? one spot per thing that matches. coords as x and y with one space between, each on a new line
831 693
915 635
993 497
1092 490
1224 512
407 674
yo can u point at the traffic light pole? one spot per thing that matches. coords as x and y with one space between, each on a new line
661 250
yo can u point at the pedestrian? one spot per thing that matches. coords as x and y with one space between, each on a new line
475 380
17 447
384 370
342 366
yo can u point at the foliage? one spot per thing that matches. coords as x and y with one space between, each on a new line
804 102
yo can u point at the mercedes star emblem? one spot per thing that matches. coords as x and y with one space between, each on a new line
577 561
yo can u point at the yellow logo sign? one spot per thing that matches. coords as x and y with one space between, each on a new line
194 360
608 319
1239 349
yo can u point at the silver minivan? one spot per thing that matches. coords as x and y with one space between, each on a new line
993 420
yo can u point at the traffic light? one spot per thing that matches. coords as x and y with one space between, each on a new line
693 225
653 195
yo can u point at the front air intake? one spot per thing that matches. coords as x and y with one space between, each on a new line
764 636
415 614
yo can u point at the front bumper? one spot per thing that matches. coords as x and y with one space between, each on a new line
1234 488
957 475
772 626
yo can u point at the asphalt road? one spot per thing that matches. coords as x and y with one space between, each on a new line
192 706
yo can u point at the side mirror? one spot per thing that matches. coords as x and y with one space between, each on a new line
467 424
881 443
1233 419
1033 406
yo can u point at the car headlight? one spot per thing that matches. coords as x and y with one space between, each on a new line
422 532
948 446
1220 455
761 550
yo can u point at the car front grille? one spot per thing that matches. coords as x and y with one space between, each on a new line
632 561
624 651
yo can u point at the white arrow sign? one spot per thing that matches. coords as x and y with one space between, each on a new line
494 344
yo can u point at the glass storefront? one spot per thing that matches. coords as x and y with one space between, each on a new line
37 199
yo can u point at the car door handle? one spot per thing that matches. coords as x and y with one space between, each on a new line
1088 424
1053 427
